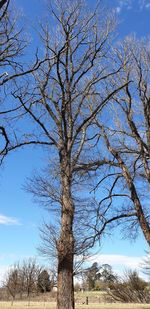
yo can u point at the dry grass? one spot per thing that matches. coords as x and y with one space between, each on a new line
97 300
50 305
23 305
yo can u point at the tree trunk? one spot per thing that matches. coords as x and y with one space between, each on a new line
73 300
144 224
65 297
136 201
65 245
140 214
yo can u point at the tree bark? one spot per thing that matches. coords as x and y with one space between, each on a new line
65 295
65 245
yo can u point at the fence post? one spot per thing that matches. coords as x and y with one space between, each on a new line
87 300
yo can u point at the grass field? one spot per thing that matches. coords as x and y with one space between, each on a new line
40 305
96 301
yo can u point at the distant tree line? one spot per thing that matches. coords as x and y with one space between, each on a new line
27 279
129 288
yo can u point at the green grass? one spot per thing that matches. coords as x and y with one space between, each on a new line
49 305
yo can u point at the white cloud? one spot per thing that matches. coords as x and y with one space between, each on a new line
125 4
144 4
132 4
118 9
120 263
141 4
119 260
5 220
147 6
3 271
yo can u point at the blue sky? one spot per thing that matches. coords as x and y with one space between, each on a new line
20 217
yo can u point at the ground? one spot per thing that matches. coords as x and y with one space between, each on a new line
47 305
96 300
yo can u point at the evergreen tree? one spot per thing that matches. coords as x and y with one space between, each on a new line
44 282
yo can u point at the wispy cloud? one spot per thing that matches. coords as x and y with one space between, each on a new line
3 271
124 4
118 261
118 9
123 260
147 6
144 4
132 5
5 220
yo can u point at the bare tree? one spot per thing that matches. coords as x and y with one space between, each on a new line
11 48
128 140
130 289
62 98
30 271
12 281
22 278
12 66
125 162
145 265
48 247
